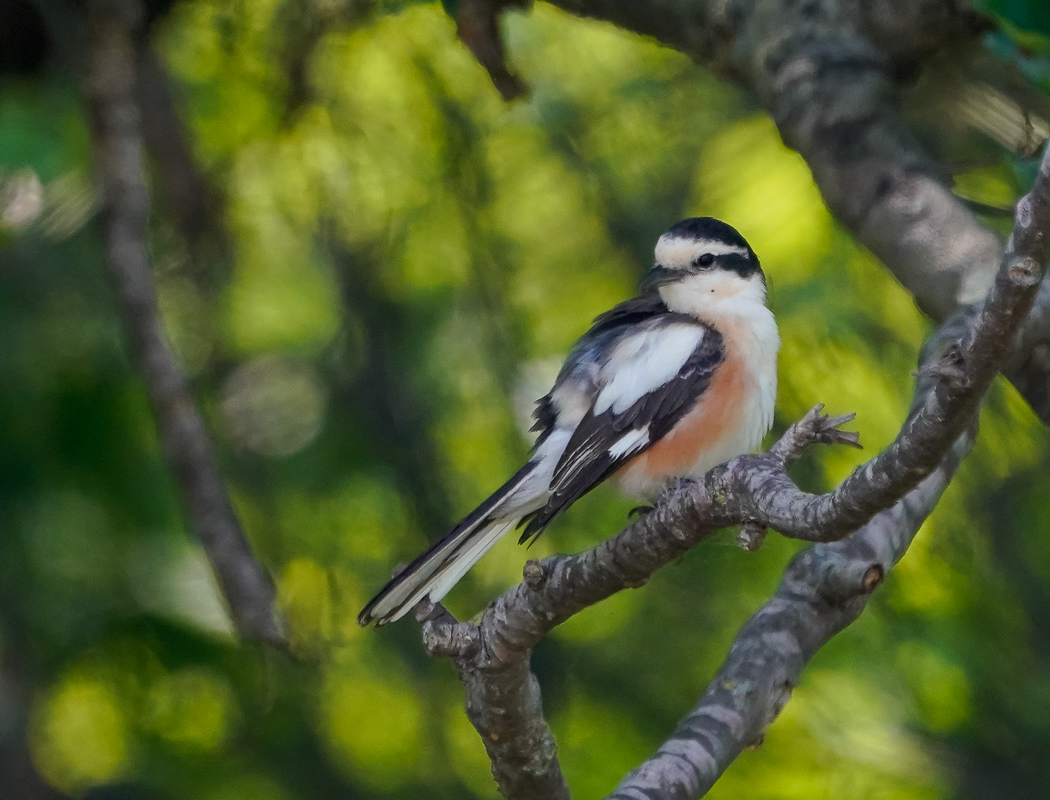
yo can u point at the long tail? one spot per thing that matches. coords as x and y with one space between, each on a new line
438 569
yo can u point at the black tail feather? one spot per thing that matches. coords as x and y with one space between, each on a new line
428 567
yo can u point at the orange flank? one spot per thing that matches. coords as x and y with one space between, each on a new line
716 416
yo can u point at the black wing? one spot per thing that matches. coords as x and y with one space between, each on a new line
589 456
628 313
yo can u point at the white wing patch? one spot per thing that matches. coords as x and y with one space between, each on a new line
629 442
643 362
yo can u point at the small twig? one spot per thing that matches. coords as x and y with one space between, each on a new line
814 428
534 574
443 637
117 138
477 25
751 535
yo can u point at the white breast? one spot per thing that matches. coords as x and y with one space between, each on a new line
730 417
736 308
751 332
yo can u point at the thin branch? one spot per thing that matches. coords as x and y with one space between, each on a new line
964 374
187 194
758 488
492 657
117 139
477 26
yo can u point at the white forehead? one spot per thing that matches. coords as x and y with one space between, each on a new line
675 252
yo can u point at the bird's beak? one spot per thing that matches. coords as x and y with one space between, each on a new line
657 277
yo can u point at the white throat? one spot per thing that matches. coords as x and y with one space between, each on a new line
736 308
714 294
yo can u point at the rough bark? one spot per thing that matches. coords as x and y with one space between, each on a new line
824 589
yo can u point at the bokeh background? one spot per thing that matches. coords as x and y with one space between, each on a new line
375 269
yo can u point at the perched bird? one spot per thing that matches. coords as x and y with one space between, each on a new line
664 386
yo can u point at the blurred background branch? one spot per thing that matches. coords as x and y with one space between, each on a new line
829 75
110 89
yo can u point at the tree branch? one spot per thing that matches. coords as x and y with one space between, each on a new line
117 139
758 488
187 193
963 375
827 73
824 589
503 704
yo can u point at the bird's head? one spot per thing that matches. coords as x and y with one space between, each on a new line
702 261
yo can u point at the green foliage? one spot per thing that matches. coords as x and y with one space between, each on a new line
409 259
1025 21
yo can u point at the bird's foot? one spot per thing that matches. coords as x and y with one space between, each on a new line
640 511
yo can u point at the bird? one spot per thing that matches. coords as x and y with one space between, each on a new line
664 386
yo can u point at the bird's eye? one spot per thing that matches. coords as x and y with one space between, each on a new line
706 260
